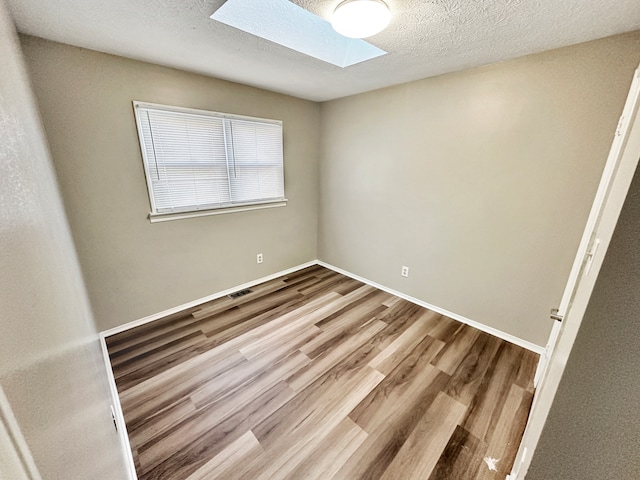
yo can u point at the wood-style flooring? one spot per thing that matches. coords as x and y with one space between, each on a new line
315 375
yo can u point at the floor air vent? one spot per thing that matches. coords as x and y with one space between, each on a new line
239 293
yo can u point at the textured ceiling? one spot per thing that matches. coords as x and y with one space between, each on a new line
423 39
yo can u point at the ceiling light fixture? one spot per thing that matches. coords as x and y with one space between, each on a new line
360 18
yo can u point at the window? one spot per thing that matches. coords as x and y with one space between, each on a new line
197 161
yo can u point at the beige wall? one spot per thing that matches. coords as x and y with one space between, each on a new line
50 363
479 181
593 429
133 268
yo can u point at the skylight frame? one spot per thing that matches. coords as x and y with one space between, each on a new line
289 25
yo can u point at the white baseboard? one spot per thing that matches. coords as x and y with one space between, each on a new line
119 416
480 326
490 330
200 301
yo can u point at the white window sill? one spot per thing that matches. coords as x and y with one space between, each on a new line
165 217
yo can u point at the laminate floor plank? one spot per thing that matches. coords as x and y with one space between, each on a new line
452 356
254 374
394 353
144 358
334 356
180 462
527 370
288 445
402 316
349 286
213 324
191 374
446 329
325 284
156 425
331 453
211 411
354 310
420 452
304 272
468 377
384 442
155 344
152 365
401 388
225 464
159 393
218 337
182 320
318 376
462 457
328 390
226 303
139 335
484 411
178 380
503 443
341 327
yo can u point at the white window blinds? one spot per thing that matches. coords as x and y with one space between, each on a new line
196 160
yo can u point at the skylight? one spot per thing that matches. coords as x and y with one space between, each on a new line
289 25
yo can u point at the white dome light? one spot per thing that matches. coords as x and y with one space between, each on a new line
360 18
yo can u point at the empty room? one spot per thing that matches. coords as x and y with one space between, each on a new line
361 239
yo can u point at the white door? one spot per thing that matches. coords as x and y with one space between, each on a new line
612 191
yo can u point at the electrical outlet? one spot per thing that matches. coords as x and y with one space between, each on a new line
405 271
259 258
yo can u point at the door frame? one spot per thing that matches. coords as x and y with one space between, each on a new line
16 461
609 200
587 244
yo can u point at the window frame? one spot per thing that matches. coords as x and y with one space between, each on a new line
191 212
